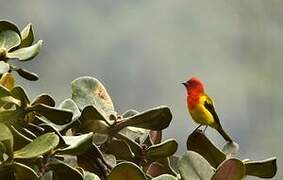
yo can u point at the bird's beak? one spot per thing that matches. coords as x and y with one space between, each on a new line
184 83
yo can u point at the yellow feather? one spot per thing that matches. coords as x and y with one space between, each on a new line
200 114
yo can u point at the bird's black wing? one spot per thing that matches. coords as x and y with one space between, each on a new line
208 104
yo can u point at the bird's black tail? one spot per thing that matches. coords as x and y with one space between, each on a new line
224 134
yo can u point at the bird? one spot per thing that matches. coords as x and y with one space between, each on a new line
201 106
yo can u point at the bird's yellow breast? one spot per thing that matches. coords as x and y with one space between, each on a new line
200 114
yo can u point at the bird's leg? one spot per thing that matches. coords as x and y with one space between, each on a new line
197 129
205 128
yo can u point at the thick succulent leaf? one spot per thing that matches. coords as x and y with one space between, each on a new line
40 146
91 113
135 133
126 171
161 166
89 91
62 170
165 177
20 140
5 25
263 169
4 67
110 159
9 35
55 115
199 143
27 74
194 166
20 94
93 161
135 147
120 149
130 113
90 176
4 91
230 169
9 116
24 172
49 128
44 99
155 119
25 131
174 162
7 172
69 104
162 150
99 139
7 80
6 137
27 36
96 126
77 144
26 53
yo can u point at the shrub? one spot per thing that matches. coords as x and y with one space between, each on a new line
85 138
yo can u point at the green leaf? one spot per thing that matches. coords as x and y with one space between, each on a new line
20 140
91 113
62 170
7 172
161 166
230 169
135 133
130 113
9 35
155 119
40 146
110 159
27 36
69 104
199 143
4 67
7 80
162 150
96 126
4 91
23 172
89 91
194 166
263 169
165 177
26 53
44 99
5 25
6 137
90 176
55 115
126 171
10 116
120 149
135 147
20 94
77 144
27 74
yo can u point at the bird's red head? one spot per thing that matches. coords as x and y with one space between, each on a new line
194 88
194 85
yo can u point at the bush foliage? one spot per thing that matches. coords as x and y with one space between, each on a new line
85 138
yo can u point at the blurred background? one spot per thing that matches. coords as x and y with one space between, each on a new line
143 50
